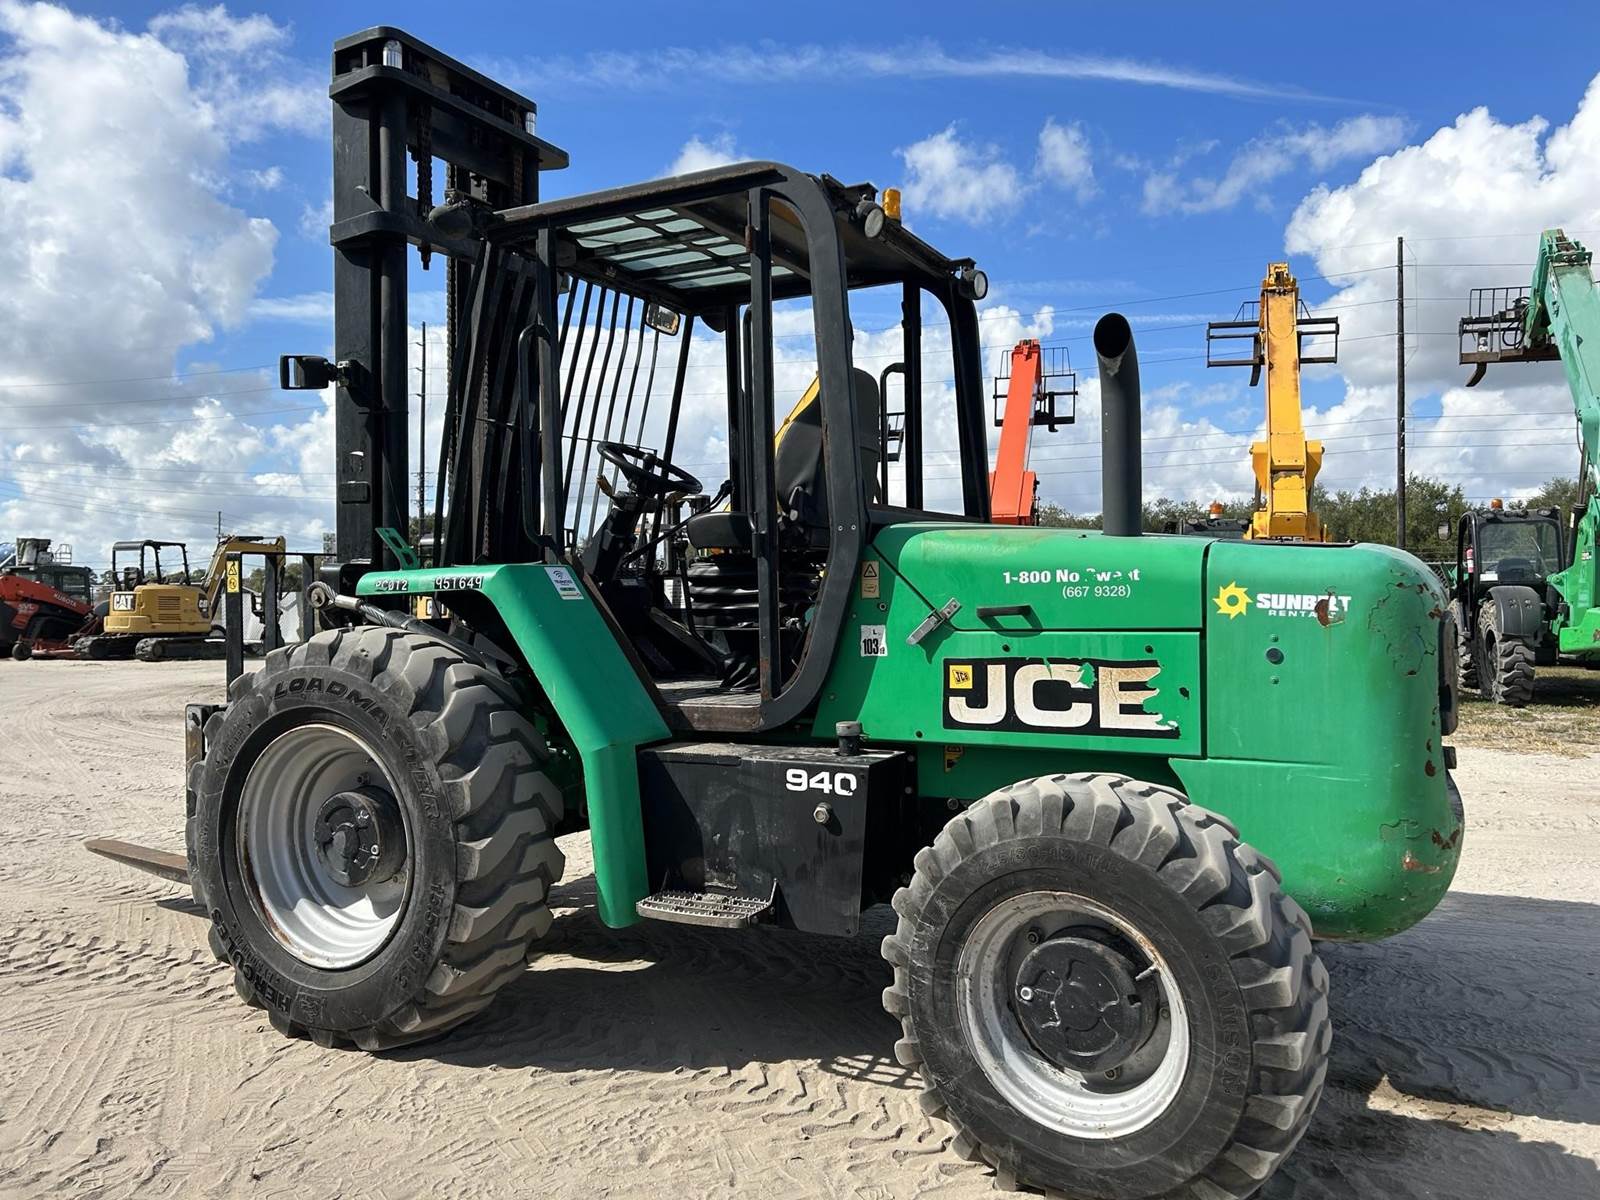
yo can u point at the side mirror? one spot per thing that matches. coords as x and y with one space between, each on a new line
305 372
662 319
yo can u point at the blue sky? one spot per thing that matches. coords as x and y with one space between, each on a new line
1090 157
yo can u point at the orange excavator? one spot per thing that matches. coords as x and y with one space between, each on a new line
1029 393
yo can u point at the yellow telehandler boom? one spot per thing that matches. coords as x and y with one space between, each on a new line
1286 463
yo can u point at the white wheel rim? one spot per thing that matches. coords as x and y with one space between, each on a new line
314 916
1059 1098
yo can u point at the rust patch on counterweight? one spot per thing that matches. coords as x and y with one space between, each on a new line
1412 863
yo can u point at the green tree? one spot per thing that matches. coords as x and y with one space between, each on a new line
1556 493
1056 517
1367 515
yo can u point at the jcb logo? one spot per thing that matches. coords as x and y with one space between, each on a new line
1082 697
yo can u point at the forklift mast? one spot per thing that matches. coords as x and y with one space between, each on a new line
1286 464
396 99
1556 317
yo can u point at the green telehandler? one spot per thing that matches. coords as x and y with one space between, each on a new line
1552 607
1110 783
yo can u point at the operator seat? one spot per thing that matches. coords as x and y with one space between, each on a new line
798 471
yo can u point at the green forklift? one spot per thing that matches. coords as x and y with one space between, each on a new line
1090 771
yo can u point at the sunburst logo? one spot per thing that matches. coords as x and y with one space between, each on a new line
1232 600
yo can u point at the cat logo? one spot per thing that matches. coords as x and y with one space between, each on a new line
1087 696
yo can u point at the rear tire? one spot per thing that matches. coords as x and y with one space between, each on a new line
461 792
1506 672
1208 1114
22 651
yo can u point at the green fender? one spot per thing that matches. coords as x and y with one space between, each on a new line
596 694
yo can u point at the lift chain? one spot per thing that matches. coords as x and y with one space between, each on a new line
423 156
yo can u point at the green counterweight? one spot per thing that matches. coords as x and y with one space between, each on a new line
1241 672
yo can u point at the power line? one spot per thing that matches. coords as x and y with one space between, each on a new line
152 487
266 412
138 378
183 399
78 505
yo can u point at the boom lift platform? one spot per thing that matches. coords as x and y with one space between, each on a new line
1030 390
810 687
1286 464
1555 609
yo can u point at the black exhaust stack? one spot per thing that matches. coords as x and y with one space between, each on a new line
1121 476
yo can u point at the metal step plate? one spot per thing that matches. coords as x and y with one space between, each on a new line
705 908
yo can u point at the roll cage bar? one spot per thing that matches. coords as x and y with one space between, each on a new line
718 247
524 275
139 547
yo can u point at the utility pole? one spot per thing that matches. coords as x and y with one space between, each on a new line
422 437
219 524
1400 391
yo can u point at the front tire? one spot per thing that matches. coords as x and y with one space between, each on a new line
1466 651
1505 670
1182 1043
373 837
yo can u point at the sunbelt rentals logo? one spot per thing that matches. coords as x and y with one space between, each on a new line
1232 600
1327 607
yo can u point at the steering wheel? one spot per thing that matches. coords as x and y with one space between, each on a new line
649 474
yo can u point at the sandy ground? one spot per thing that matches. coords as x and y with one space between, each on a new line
669 1062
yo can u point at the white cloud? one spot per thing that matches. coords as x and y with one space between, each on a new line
270 179
308 308
1470 199
770 63
700 154
1064 158
1265 159
120 250
243 74
315 219
967 181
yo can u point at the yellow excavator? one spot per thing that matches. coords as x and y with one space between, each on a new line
160 613
1286 463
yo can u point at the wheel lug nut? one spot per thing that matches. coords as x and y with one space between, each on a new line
363 819
1024 994
1114 1072
1033 937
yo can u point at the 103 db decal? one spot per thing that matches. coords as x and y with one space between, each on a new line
1086 696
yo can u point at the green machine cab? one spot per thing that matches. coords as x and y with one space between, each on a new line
1110 783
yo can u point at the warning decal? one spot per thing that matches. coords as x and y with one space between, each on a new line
869 579
566 586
